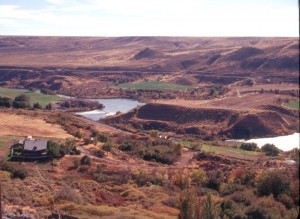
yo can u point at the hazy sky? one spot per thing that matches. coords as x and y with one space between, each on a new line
149 17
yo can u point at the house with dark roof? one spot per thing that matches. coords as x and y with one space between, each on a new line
35 147
30 149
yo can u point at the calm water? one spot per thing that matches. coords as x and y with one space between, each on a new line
285 143
111 107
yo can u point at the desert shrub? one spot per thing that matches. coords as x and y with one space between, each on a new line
127 146
178 149
229 188
198 177
270 150
228 208
78 134
133 194
87 141
76 163
248 146
266 208
189 205
294 191
107 146
286 200
21 174
86 160
239 215
272 182
213 180
101 137
68 194
153 133
242 176
246 197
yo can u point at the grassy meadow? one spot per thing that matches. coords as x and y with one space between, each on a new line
43 99
153 85
294 105
224 150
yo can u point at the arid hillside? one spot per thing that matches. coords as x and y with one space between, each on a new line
211 122
164 53
60 63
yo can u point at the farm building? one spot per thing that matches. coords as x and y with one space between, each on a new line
29 148
35 147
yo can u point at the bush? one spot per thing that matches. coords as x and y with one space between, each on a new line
102 137
21 174
37 106
270 150
286 200
198 177
248 146
272 182
266 208
6 102
227 189
107 146
53 148
86 160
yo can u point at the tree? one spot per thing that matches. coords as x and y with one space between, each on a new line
248 146
209 209
53 148
21 101
189 205
37 106
49 106
23 98
273 182
270 150
5 102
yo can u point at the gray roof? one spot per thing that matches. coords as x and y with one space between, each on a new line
35 145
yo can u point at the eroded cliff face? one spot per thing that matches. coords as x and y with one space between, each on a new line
207 122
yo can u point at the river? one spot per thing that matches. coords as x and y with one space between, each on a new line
111 107
285 143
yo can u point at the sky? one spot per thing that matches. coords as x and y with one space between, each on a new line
277 18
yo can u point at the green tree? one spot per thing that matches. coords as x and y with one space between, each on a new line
270 150
37 106
248 146
5 102
272 182
53 148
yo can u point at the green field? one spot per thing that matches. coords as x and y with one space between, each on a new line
43 99
226 151
153 85
294 105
